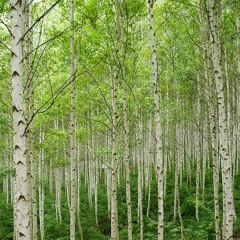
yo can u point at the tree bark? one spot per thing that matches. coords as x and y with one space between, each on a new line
126 129
114 205
212 119
73 131
159 156
198 148
223 127
140 172
29 110
41 184
19 126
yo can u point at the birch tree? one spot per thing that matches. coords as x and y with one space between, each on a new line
158 130
41 192
114 205
29 111
228 212
73 132
19 125
126 127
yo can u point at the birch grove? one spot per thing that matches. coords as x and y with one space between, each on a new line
123 120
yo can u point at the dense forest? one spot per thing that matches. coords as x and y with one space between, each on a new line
119 119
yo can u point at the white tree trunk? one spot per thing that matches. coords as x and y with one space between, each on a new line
50 176
58 180
114 204
198 149
159 156
95 148
73 132
140 171
108 174
126 130
205 160
41 184
223 128
19 126
211 116
67 181
29 113
238 43
14 187
212 119
150 158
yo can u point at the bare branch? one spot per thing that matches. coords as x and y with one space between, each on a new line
6 26
39 19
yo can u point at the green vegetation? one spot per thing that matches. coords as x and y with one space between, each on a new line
112 47
202 230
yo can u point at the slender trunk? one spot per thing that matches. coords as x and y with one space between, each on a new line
159 157
108 175
50 176
237 88
126 131
80 167
204 164
89 164
176 178
96 179
140 170
28 108
79 223
66 170
198 149
211 116
7 183
238 41
58 180
214 145
215 160
179 159
114 205
150 156
14 208
165 164
41 184
57 177
180 216
73 132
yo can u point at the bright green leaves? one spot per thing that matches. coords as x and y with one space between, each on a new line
91 12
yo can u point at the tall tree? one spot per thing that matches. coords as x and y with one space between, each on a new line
114 180
126 125
73 153
228 201
19 125
158 126
41 192
29 113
